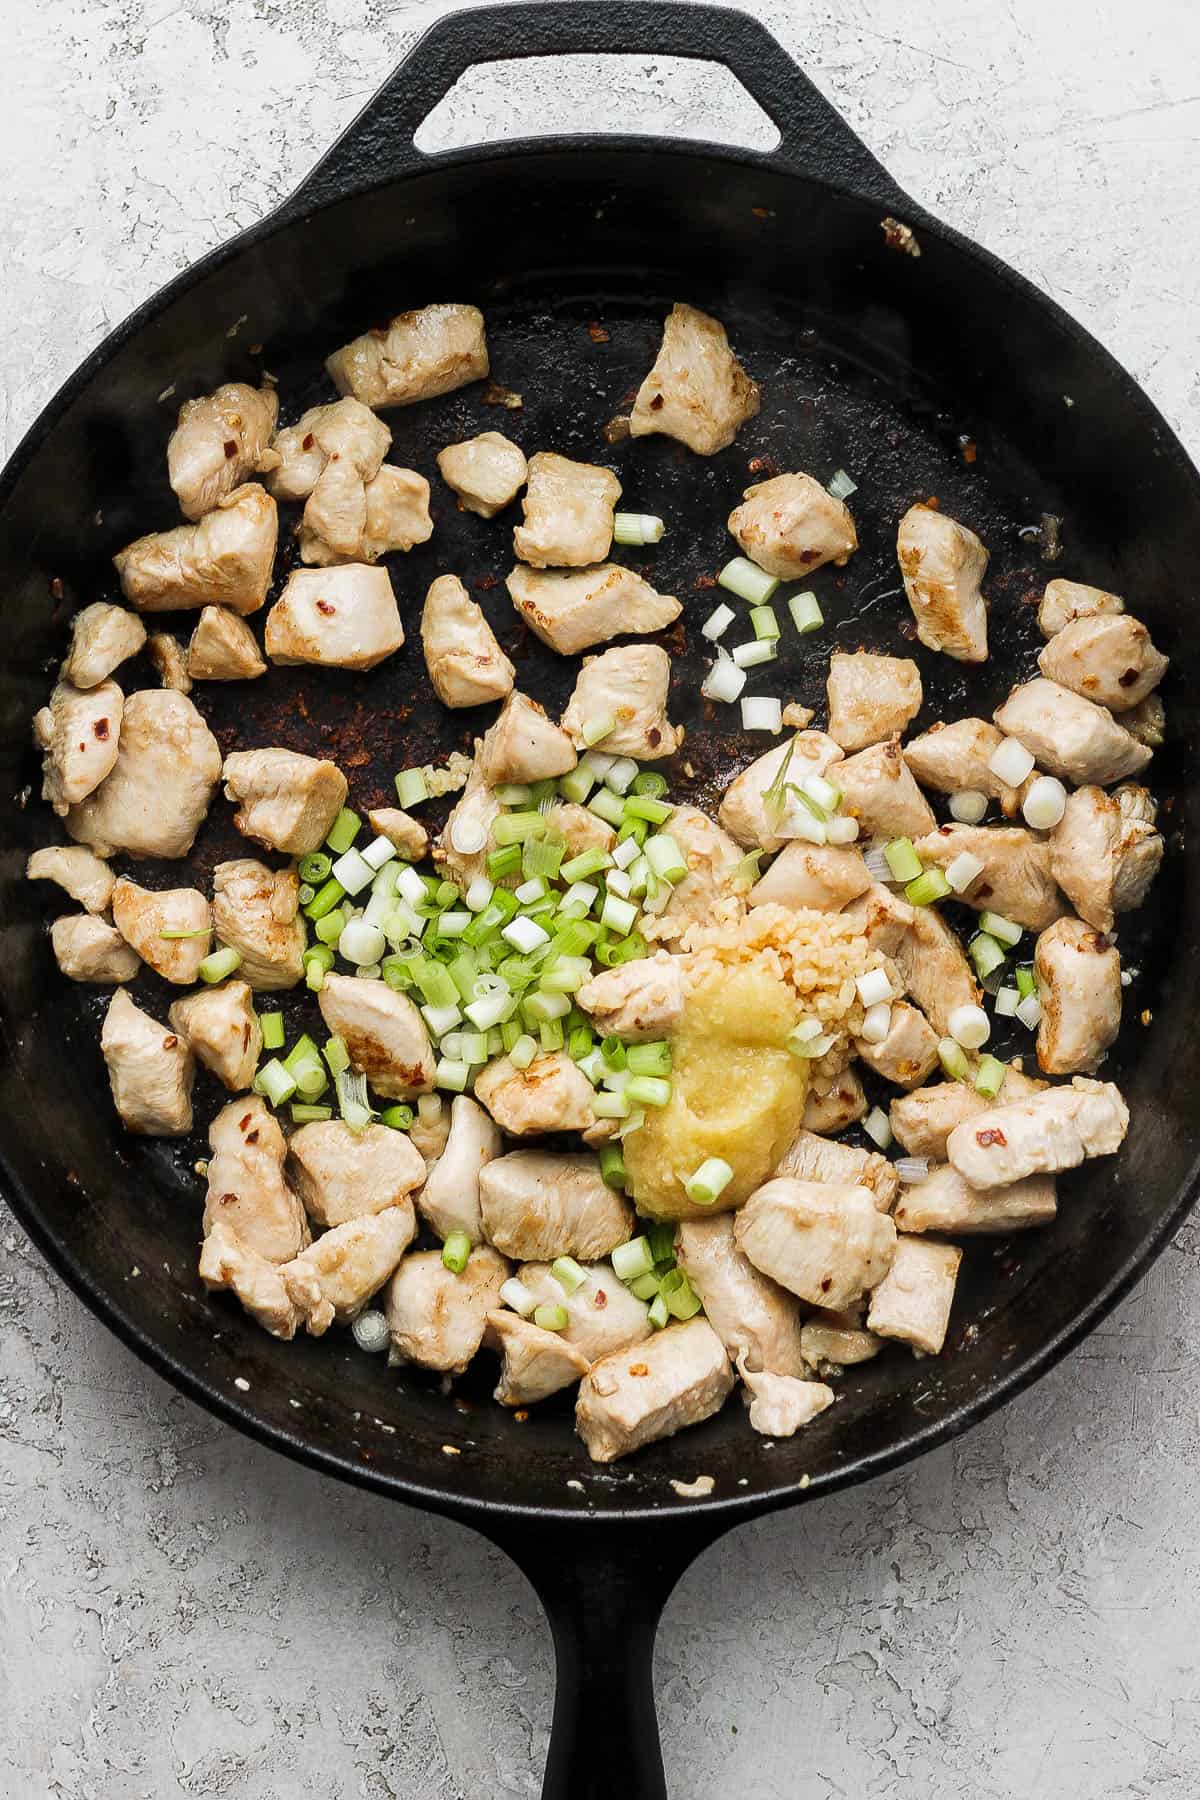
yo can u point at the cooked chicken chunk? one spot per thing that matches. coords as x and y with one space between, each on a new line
420 355
449 1201
343 618
781 1404
882 917
225 560
953 756
225 1262
812 1158
1111 660
1104 857
750 811
90 949
942 1201
628 685
461 852
79 735
218 441
523 744
572 610
84 877
934 969
223 648
486 472
156 797
102 638
637 1396
568 509
1079 985
171 929
790 525
430 1129
826 1242
256 912
943 563
833 1341
1016 878
912 1303
399 828
697 390
285 800
879 791
833 1104
345 432
222 1027
1064 601
349 521
753 1318
871 697
384 1033
341 1174
335 1277
536 1205
170 662
1147 722
907 1054
533 1363
466 665
150 1070
1042 1135
1070 737
602 1314
578 828
922 1121
638 1000
437 1319
246 1189
711 856
552 1094
820 876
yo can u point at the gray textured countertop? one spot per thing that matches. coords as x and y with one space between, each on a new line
183 1613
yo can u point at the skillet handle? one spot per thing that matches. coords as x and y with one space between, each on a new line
814 139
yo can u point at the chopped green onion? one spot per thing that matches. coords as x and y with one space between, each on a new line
581 1042
611 956
709 1181
452 1073
806 613
649 1059
618 915
1030 1012
540 1007
588 862
595 730
662 1242
330 928
399 1118
724 681
352 1099
902 859
514 1293
753 652
1027 986
456 1252
745 579
989 1076
659 1314
985 953
551 1318
607 806
878 1128
612 1049
718 623
637 528
953 1059
607 1105
633 1258
765 624
568 1274
645 806
523 1051
336 1055
411 787
271 1025
511 1033
963 869
525 935
541 857
315 867
808 1044
221 963
874 987
274 1081
513 793
551 1035
1007 1001
304 894
515 827
343 832
578 782
304 1114
622 775
1005 931
928 887
682 1300
644 1287
665 857
612 1166
647 1090
353 871
842 485
501 863
378 853
177 936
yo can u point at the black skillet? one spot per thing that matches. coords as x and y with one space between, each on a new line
900 369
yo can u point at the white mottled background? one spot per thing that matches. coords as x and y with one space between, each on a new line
182 1614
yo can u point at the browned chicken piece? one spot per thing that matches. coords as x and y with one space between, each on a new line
1079 985
1042 1135
79 736
171 929
1147 722
1065 601
343 618
1111 660
359 523
466 664
907 1054
871 697
638 1000
255 911
284 800
943 564
791 525
797 716
942 1201
536 1205
573 610
697 390
449 1200
522 744
217 442
461 852
150 1070
486 472
879 791
430 1129
84 877
1016 879
345 431
754 1319
166 653
341 1174
87 948
934 968
922 1121
165 775
954 756
246 1189
711 856
533 1363
813 1158
102 638
912 1303
225 1262
1069 736
333 1279
834 1341
420 355
826 1242
628 685
437 1319
781 1404
225 560
820 876
578 828
223 648
833 1103
882 917
1103 856
568 509
602 1314
634 1397
222 1027
1137 803
399 828
383 1032
755 809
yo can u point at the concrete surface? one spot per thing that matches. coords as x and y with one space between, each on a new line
182 1614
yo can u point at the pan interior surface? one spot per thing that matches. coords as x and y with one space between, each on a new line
933 376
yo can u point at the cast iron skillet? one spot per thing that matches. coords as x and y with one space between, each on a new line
871 359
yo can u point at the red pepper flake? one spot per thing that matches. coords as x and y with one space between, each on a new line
101 729
827 1284
762 212
601 1299
323 606
992 1135
252 1137
968 447
932 503
227 1200
230 448
705 581
654 736
243 1122
521 1416
56 588
638 1369
246 1034
488 582
763 465
657 404
1128 678
597 332
307 441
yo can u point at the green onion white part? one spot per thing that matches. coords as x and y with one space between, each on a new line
953 1059
637 528
361 943
1045 803
745 579
842 485
841 829
877 1022
568 1274
353 871
411 787
878 1128
873 987
911 1168
1005 931
371 1332
762 713
1010 762
1030 1012
1007 1001
985 953
969 1026
274 1082
599 727
765 624
962 870
724 681
718 623
968 806
754 652
514 1293
709 1182
379 851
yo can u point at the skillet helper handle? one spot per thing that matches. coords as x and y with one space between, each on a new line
815 140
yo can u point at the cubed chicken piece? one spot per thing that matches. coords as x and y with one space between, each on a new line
461 852
286 801
349 521
523 745
755 809
812 1158
343 618
833 1103
418 356
1147 722
572 610
922 1121
628 686
871 697
449 1200
833 1341
225 1262
697 390
711 856
408 836
882 917
602 1315
1103 858
225 560
165 775
1069 736
222 1027
943 564
169 661
879 791
791 525
1064 601
781 1404
90 949
537 1204
638 1000
334 1278
1042 1135
568 509
84 877
951 757
552 1094
533 1363
934 969
256 912
437 1319
246 1189
1137 803
912 1303
171 929
341 1174
102 638
223 648
430 1129
466 664
384 1034
824 1241
907 1054
943 1202
486 472
1079 985
578 828
820 876
634 1397
1016 879
217 442
345 431
754 1319
79 736
1111 660
150 1070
